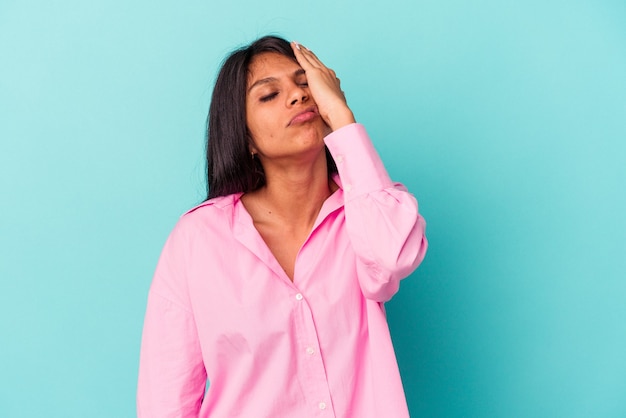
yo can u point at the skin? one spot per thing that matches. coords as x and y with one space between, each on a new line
290 108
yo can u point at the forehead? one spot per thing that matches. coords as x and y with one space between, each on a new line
271 64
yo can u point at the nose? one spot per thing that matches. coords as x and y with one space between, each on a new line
298 93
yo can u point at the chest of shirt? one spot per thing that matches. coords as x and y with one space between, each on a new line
238 290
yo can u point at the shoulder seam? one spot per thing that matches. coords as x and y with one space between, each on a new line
220 202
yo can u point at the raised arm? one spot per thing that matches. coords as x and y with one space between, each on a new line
382 218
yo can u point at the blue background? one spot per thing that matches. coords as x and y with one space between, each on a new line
506 119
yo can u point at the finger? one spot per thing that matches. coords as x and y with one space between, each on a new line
313 58
302 59
320 65
309 55
315 62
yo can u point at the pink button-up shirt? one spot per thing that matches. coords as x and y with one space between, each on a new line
222 309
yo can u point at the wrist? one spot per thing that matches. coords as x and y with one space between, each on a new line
340 119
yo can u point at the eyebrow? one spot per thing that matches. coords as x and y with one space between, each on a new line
267 80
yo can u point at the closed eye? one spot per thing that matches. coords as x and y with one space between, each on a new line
268 97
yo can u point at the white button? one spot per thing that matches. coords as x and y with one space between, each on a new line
299 296
339 159
322 405
310 351
347 187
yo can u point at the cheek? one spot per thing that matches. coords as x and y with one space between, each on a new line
262 124
262 132
254 128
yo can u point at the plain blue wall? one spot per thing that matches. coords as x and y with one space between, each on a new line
506 119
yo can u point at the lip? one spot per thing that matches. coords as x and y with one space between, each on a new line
306 115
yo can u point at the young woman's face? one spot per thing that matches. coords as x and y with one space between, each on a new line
281 115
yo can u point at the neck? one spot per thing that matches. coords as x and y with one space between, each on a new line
297 196
294 195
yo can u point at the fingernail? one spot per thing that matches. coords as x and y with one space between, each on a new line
297 44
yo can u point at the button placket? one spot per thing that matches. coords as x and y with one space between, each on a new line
318 391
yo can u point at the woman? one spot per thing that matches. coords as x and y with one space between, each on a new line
272 290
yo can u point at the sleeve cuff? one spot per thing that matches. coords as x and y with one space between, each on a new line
360 168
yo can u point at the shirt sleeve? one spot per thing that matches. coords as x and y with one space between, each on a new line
172 377
382 218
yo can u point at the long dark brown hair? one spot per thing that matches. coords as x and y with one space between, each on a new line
230 167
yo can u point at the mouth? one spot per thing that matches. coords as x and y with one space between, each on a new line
306 115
